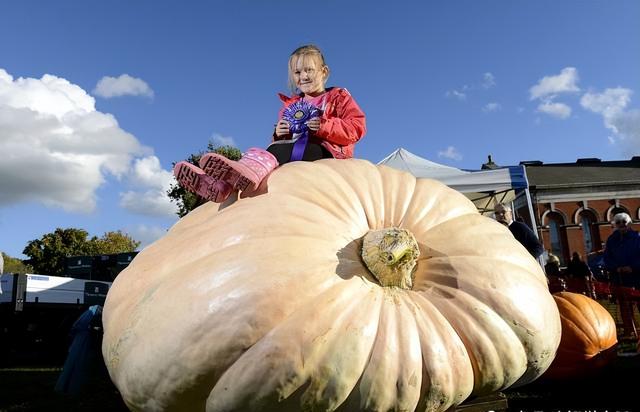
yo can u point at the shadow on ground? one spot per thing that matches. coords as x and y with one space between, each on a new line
613 389
31 389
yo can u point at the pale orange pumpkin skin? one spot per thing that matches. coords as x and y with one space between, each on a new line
588 341
266 305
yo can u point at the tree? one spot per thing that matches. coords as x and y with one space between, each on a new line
15 265
188 201
47 254
113 242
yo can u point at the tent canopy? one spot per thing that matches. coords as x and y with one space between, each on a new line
484 187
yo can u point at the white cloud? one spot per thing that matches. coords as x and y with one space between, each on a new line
5 77
450 153
609 104
558 110
492 107
149 203
456 94
625 124
154 182
124 85
146 234
549 86
147 172
220 140
488 80
56 147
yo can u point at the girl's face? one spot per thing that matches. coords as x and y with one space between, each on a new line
309 76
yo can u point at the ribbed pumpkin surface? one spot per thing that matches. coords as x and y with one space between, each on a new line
588 337
267 305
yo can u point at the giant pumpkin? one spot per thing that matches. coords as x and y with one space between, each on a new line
347 286
588 340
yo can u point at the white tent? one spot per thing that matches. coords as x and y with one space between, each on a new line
484 187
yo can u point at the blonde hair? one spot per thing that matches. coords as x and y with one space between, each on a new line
304 52
553 259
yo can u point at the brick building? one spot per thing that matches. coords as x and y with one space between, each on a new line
574 203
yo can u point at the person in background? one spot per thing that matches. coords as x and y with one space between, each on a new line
622 253
622 261
84 353
520 231
581 274
552 267
555 280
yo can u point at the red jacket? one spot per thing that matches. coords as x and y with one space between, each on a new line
342 123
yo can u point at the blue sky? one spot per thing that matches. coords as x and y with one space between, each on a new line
97 99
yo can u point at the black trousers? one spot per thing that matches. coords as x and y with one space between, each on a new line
313 151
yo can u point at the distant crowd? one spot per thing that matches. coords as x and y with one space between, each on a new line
617 274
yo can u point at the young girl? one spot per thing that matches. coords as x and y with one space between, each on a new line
315 123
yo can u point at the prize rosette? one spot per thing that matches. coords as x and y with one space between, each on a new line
297 114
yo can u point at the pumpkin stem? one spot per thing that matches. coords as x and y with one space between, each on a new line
391 254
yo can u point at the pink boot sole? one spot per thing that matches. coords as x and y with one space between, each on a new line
232 172
197 181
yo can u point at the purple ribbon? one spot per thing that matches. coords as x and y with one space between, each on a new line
297 114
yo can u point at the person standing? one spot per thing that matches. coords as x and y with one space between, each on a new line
581 275
520 231
622 253
622 261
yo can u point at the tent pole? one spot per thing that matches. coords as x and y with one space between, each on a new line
530 207
531 214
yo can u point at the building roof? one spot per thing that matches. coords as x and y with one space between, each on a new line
583 173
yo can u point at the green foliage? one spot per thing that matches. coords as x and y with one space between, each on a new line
229 152
15 265
113 242
188 201
47 254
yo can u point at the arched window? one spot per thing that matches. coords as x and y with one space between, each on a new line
589 231
555 222
614 210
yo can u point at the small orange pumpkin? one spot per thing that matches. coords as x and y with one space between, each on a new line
588 340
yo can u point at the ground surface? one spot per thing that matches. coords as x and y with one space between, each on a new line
31 389
614 389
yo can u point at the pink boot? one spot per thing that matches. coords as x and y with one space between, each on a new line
197 181
255 165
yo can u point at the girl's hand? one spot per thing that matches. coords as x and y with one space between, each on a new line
282 128
314 124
